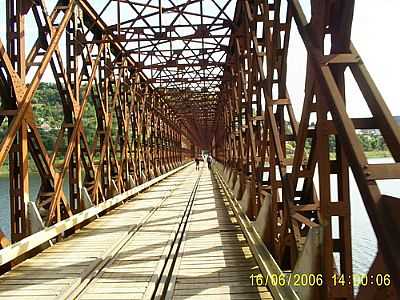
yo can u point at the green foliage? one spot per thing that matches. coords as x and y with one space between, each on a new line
49 115
372 142
48 92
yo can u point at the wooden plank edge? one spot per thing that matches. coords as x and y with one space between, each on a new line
27 244
265 260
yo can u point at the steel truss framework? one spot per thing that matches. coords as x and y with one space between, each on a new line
256 123
182 47
176 76
138 136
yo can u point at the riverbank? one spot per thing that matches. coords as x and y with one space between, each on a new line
378 154
33 170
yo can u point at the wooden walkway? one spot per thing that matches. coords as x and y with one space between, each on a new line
215 261
128 253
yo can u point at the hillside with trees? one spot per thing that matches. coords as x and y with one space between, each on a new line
49 116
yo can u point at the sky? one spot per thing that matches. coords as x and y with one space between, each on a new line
375 28
375 36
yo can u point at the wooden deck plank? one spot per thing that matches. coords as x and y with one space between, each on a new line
266 295
63 264
141 258
216 261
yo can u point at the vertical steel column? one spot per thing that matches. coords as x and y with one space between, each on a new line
18 155
74 172
105 75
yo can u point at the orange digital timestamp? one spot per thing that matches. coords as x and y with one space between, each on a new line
311 279
303 279
362 279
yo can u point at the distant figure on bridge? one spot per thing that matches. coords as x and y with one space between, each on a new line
209 161
197 160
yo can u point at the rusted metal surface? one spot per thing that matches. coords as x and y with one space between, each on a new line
182 48
169 78
148 135
256 121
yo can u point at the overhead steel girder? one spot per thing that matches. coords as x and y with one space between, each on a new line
180 46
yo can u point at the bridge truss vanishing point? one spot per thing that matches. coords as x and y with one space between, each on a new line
167 78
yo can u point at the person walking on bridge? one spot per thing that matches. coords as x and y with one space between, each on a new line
209 161
197 160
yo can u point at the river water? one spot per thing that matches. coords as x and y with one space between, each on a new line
363 236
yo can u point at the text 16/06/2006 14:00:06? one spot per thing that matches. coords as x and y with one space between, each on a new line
318 279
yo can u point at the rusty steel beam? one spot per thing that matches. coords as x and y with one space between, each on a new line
187 53
255 121
138 136
18 155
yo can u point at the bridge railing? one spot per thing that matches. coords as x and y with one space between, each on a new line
20 250
271 161
114 132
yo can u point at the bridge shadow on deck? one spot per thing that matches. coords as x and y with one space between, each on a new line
229 275
217 262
